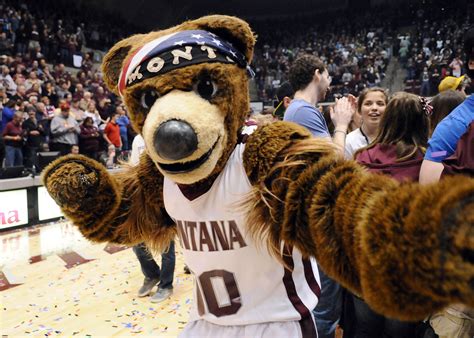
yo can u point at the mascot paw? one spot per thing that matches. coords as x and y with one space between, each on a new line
71 178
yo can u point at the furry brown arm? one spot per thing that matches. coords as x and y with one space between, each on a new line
125 208
407 249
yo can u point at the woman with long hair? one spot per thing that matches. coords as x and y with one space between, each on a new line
399 147
93 113
371 105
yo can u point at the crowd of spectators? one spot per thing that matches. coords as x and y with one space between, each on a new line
356 45
355 48
33 28
46 107
54 110
432 49
36 44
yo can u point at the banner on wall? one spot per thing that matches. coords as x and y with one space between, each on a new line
13 208
47 207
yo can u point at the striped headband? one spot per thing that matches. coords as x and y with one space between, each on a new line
178 50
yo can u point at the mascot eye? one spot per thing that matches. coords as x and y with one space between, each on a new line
148 98
206 88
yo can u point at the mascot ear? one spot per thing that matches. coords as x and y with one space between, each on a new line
113 60
232 29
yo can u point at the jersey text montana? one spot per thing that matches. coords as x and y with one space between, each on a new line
210 236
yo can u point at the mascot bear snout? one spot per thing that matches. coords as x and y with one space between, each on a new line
175 140
185 135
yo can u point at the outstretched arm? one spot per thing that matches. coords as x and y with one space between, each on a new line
123 208
407 249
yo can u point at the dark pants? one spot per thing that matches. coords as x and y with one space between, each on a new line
30 157
328 311
91 154
425 88
13 156
369 324
124 138
151 270
63 148
2 151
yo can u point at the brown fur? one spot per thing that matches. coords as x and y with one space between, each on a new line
146 220
232 95
70 179
232 98
267 204
113 60
126 208
407 249
265 144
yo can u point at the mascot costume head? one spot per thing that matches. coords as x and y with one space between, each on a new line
187 88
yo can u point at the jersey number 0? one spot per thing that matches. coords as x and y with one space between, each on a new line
214 283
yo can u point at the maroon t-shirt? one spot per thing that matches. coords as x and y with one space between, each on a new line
89 139
382 159
462 161
12 129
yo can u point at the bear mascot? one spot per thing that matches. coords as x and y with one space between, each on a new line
254 213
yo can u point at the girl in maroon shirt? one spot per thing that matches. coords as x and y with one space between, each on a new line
89 138
399 147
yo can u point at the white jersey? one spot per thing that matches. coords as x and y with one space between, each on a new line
354 141
238 282
138 147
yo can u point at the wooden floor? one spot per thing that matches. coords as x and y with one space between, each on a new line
53 282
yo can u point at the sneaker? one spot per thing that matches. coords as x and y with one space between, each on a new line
148 285
161 295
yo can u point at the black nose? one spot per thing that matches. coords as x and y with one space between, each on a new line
175 140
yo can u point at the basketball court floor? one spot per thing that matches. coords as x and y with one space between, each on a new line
53 282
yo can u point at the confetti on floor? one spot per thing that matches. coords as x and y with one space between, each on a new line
94 299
